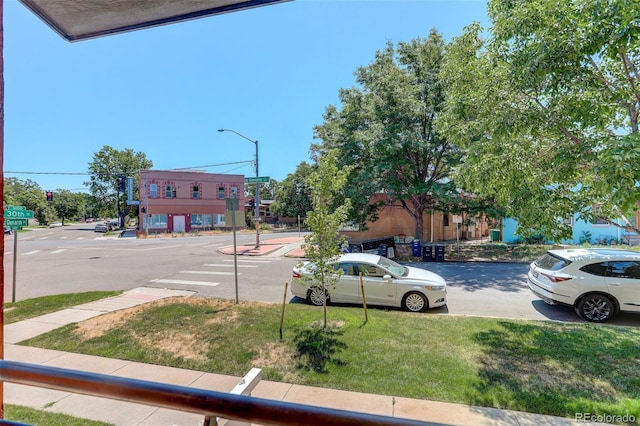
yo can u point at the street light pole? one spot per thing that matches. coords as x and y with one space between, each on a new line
257 198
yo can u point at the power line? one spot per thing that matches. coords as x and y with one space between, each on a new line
117 174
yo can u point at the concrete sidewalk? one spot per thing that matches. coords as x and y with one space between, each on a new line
131 414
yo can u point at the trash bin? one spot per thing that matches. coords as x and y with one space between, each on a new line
495 235
416 248
427 253
439 253
382 250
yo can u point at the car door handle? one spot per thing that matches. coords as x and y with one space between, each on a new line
615 284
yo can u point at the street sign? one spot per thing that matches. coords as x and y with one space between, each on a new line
18 212
232 204
261 179
15 224
240 220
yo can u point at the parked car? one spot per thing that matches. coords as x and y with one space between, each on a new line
113 224
101 227
385 282
597 283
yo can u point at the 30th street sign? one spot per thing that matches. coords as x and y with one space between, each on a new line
18 212
15 217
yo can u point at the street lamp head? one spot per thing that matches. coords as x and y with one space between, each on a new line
221 130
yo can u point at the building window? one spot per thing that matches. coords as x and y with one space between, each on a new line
221 193
153 190
219 220
201 221
445 220
169 191
156 221
234 192
195 192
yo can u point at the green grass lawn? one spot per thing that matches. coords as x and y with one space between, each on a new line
30 308
533 366
38 417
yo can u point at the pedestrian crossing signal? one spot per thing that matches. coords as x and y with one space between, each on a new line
49 195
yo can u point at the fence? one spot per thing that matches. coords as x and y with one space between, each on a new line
207 403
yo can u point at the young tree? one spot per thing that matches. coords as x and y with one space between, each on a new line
547 110
323 245
107 166
386 131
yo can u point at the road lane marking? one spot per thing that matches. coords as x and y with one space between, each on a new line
229 265
167 281
207 272
249 261
58 251
31 252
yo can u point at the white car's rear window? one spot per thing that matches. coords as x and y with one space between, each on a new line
551 262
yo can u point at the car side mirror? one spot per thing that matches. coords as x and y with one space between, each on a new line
386 277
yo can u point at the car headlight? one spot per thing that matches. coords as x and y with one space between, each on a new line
434 287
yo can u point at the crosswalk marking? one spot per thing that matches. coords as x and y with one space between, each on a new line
248 261
207 272
229 265
167 281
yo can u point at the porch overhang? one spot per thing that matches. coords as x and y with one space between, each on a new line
76 20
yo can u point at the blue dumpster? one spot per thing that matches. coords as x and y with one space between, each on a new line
439 253
416 248
427 253
382 250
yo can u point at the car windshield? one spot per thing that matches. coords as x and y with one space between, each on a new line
393 267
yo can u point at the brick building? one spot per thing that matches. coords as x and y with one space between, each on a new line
186 201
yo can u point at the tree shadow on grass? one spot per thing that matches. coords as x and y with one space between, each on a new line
558 369
317 347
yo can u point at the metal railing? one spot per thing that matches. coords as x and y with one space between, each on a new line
199 401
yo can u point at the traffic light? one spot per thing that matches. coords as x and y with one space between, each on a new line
121 184
49 195
252 203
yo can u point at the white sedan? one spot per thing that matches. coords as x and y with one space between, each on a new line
385 283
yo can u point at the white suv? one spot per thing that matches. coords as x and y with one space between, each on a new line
596 282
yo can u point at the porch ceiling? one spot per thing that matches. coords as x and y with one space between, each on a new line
77 20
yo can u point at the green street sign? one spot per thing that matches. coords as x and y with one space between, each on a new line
261 179
15 224
18 212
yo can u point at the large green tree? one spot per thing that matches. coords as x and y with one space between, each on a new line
546 109
68 204
107 166
385 129
30 195
293 197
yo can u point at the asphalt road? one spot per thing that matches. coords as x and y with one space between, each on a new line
76 259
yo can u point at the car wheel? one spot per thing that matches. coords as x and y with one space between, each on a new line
595 308
316 297
415 302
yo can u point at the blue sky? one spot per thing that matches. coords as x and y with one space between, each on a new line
267 73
